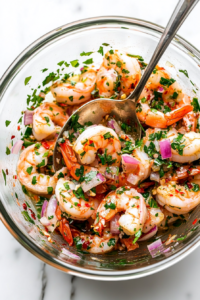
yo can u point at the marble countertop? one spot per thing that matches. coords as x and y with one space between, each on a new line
23 276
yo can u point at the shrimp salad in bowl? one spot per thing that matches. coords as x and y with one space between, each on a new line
113 192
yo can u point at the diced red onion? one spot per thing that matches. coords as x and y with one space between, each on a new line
45 221
81 69
165 149
113 125
114 224
70 254
133 179
129 163
44 207
113 173
155 248
17 147
143 209
161 89
51 208
98 179
148 235
155 176
28 117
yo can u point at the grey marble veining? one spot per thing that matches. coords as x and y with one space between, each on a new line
23 276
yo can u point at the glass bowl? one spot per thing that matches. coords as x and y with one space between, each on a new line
66 43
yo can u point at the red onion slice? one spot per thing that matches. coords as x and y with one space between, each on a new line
165 149
155 176
17 147
96 180
114 224
113 125
129 163
133 179
148 235
161 89
70 254
28 117
155 248
44 207
45 221
51 207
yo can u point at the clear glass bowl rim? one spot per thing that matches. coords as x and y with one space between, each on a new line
4 216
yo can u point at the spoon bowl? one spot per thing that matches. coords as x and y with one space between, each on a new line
123 111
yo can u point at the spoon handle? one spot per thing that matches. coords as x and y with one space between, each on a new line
182 10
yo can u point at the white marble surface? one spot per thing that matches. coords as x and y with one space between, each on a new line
22 276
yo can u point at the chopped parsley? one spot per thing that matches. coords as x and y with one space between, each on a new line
80 194
7 151
107 135
7 123
29 170
106 159
4 176
167 82
34 180
177 144
137 236
111 242
42 164
88 61
110 205
66 185
184 72
27 79
195 104
100 50
27 217
86 53
74 63
49 190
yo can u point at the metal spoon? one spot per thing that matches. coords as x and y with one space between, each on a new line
125 110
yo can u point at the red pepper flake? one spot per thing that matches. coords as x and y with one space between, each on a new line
194 222
12 137
62 104
32 214
171 195
15 176
148 97
90 141
189 185
32 107
182 193
24 206
128 122
18 127
85 245
23 147
45 145
87 205
176 191
78 204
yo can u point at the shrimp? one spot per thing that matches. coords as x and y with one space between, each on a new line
95 244
189 143
31 158
177 198
45 118
96 138
123 199
106 82
75 91
73 201
154 218
141 171
171 98
155 118
185 148
126 66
